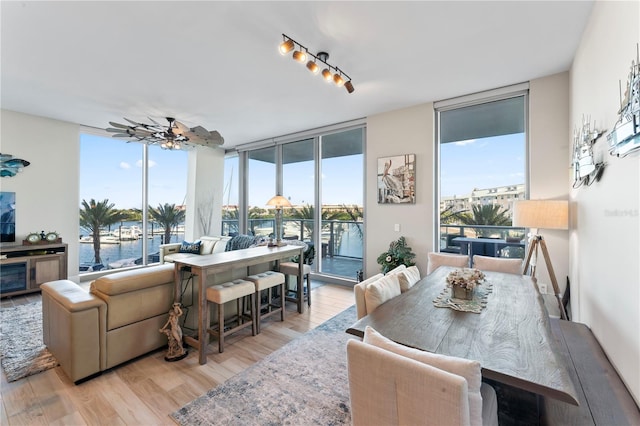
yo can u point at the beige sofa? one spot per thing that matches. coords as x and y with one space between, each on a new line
118 320
171 252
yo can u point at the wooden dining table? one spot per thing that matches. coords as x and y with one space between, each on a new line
511 337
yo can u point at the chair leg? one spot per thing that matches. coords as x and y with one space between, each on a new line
256 307
254 330
308 290
282 297
221 328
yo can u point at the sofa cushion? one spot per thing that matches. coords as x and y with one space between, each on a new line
187 247
220 245
207 244
135 279
176 257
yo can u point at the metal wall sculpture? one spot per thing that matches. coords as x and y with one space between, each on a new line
625 135
9 166
585 169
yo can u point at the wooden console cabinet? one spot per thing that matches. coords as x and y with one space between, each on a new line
23 268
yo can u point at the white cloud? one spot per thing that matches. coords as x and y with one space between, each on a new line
124 165
463 143
151 163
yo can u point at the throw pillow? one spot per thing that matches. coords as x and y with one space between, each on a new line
187 247
408 278
380 291
466 368
397 269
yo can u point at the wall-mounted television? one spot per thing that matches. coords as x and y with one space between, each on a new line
7 217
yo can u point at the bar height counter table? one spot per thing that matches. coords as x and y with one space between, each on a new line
211 264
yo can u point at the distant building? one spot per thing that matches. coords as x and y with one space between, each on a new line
504 196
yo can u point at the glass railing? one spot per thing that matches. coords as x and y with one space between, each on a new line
516 236
338 237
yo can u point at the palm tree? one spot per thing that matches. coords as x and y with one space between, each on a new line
490 214
450 215
95 215
167 216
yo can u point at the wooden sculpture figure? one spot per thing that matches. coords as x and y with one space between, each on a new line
174 334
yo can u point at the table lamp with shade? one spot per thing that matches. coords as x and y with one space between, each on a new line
278 202
542 214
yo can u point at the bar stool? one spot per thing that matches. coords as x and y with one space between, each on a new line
266 281
226 292
291 268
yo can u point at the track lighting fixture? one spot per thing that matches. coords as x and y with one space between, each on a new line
286 46
313 67
339 77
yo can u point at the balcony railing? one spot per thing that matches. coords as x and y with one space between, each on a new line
449 232
338 237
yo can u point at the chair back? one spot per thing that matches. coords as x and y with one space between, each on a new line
359 292
498 264
390 389
435 260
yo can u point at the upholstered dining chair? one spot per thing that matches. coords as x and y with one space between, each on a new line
435 260
391 384
498 264
374 292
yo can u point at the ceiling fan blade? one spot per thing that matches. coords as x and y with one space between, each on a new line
113 130
181 127
216 137
134 123
121 135
121 126
200 132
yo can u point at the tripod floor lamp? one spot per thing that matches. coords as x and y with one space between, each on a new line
278 202
542 214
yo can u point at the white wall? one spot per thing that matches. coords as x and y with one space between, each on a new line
47 189
411 130
406 131
605 258
549 163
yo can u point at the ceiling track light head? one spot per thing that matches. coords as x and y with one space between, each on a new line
339 77
286 46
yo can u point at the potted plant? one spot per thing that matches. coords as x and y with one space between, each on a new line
398 254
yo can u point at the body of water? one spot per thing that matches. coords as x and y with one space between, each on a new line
127 252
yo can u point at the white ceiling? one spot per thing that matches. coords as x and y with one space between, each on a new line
216 64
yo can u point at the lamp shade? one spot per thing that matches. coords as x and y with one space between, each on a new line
278 202
542 214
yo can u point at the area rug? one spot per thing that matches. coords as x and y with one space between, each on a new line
303 383
22 352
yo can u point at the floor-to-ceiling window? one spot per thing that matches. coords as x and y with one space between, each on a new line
261 186
482 154
111 183
322 176
342 171
230 202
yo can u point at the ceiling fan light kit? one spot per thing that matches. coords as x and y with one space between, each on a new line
339 77
171 136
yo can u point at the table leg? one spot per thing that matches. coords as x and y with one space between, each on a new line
202 319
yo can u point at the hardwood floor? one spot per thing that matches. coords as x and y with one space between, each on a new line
145 391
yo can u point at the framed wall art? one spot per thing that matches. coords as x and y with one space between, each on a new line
397 179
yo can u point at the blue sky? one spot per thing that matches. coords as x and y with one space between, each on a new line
481 163
111 168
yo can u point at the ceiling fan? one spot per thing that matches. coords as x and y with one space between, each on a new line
171 136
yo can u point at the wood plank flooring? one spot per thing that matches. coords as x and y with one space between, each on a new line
146 390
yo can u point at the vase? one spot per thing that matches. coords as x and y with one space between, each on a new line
458 292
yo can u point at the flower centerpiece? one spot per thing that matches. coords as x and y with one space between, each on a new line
464 281
398 254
